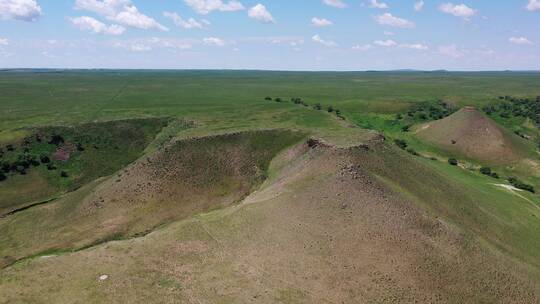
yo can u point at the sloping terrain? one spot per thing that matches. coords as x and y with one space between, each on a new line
184 178
368 224
51 160
471 134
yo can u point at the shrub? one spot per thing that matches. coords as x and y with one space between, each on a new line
401 143
45 159
80 147
453 161
330 109
3 177
520 185
51 167
485 170
278 99
317 106
405 128
56 140
63 174
413 152
10 148
268 98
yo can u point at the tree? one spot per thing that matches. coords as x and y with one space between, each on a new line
63 174
317 106
45 159
453 161
3 177
268 98
485 170
330 109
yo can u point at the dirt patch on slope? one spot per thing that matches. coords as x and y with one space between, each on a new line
472 134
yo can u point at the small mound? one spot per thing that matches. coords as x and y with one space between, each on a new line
473 135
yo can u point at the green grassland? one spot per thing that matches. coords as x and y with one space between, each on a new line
223 130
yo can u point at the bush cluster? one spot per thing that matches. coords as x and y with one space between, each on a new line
508 107
520 185
487 171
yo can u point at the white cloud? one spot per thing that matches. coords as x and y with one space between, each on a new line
335 3
533 5
520 40
259 12
187 24
318 39
390 20
320 22
451 51
415 46
364 47
385 43
4 41
207 6
419 5
387 33
148 44
120 11
90 24
214 41
377 4
460 10
25 10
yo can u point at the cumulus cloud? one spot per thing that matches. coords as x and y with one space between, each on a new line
120 11
205 7
390 20
335 3
322 41
385 43
190 23
213 41
320 22
4 41
458 10
520 40
25 10
86 23
364 47
414 46
419 5
533 5
377 4
259 12
451 51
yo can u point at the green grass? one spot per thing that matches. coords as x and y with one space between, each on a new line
105 148
207 103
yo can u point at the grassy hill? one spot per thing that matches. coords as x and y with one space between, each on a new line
471 134
269 187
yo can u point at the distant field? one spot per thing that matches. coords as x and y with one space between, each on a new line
276 187
236 97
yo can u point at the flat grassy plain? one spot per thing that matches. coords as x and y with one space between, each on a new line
265 215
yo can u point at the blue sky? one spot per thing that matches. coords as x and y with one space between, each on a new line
271 34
